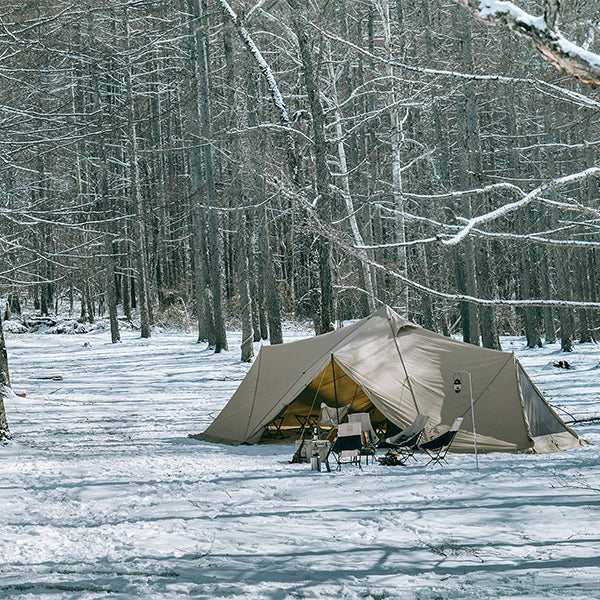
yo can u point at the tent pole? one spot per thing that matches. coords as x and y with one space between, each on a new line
457 390
473 417
337 411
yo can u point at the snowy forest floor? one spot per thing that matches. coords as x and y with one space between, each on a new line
103 495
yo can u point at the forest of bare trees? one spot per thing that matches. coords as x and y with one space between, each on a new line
250 162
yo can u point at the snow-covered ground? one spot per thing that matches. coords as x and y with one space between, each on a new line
103 495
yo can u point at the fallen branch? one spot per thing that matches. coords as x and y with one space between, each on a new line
580 421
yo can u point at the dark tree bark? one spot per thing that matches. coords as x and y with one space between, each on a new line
214 242
240 243
272 301
322 174
4 382
136 195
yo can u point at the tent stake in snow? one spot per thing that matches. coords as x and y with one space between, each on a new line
457 389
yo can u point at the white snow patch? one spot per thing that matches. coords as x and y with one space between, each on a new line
500 7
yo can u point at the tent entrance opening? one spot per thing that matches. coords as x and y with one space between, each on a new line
332 386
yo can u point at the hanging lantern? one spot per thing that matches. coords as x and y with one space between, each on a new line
457 385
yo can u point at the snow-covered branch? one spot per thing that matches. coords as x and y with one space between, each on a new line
508 208
541 34
459 193
341 240
262 63
542 86
265 69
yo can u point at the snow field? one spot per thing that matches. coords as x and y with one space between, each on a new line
102 495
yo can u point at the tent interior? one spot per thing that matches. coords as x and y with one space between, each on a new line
331 386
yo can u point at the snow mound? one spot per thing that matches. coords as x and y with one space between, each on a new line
14 327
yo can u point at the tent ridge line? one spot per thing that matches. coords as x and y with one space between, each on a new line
259 358
310 368
412 393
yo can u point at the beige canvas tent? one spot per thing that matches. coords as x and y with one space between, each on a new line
395 370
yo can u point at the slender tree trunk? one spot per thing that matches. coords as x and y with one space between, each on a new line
241 235
476 270
136 193
204 309
322 175
397 139
530 315
546 287
247 347
4 382
214 242
272 301
526 253
346 194
109 260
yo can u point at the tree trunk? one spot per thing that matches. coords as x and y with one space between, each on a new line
247 347
530 315
396 138
136 194
322 174
211 196
4 382
272 301
346 194
240 249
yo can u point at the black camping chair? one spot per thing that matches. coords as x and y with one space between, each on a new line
402 445
394 436
438 447
347 447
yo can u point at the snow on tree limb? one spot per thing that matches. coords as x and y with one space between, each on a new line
541 34
344 243
543 86
508 208
265 69
262 63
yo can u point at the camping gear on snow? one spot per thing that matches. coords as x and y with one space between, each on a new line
394 370
369 437
406 437
366 427
315 462
403 445
331 416
309 447
438 447
347 445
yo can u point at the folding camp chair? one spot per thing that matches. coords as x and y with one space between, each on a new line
331 416
404 443
369 437
416 427
366 427
347 446
438 447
